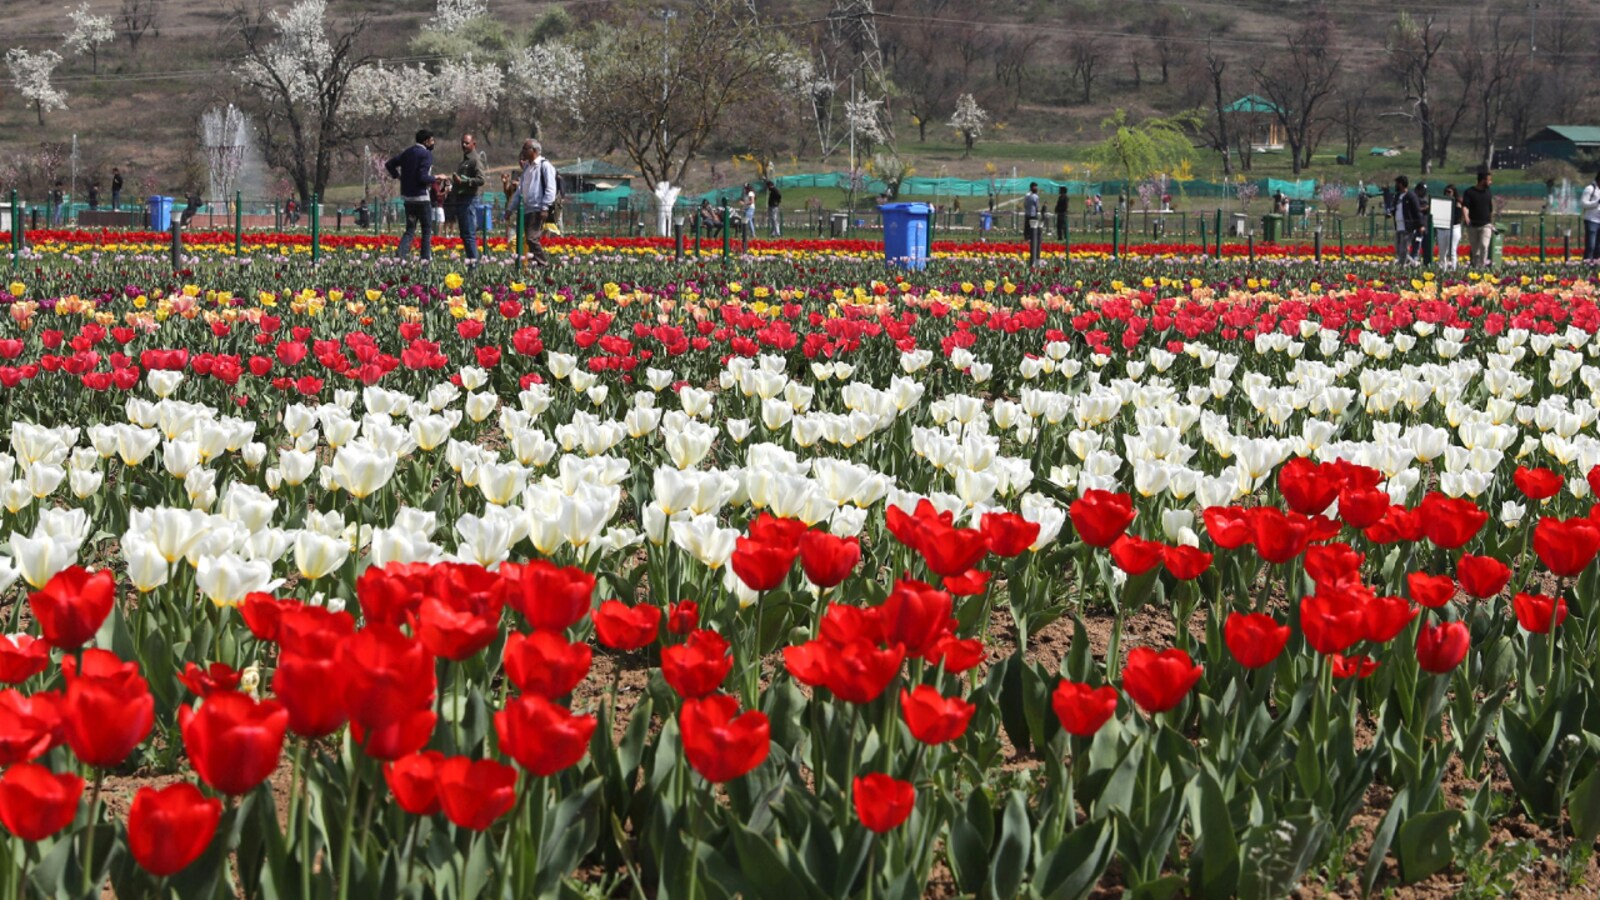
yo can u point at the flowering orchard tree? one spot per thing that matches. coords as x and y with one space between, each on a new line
969 119
543 80
87 33
469 89
299 72
31 75
450 15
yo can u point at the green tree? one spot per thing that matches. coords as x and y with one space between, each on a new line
1147 148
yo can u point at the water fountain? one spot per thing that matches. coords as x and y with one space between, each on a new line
1564 201
233 162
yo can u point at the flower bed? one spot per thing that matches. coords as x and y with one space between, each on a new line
795 579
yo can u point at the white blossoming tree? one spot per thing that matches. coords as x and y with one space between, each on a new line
546 80
864 119
299 71
87 32
452 15
969 120
468 89
32 74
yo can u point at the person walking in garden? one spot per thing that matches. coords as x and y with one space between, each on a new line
413 168
1452 244
116 188
1478 204
464 187
1591 220
747 215
774 210
1063 207
1407 219
94 193
1030 209
533 198
58 204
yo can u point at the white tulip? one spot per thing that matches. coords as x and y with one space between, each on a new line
228 578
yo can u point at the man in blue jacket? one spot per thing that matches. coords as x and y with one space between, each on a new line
414 167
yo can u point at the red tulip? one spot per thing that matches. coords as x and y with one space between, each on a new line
408 733
1308 488
1278 537
683 617
1084 710
971 583
168 828
389 595
547 595
1536 484
1593 477
390 675
1333 565
1135 555
312 690
1184 562
475 792
542 737
1254 639
1229 526
22 657
1353 666
932 717
908 529
414 782
1482 576
882 803
1539 614
1100 517
697 667
1450 522
957 655
1158 681
1008 534
545 663
718 742
210 680
29 726
828 560
1432 591
1566 547
623 627
107 710
1363 507
456 626
35 802
1397 525
73 605
950 551
1442 647
1332 622
915 615
233 741
1384 617
760 566
858 672
770 529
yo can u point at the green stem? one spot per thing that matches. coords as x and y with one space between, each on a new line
88 837
349 824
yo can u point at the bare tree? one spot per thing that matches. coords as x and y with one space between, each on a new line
660 97
1214 129
299 70
1414 47
1297 82
1352 113
1011 66
137 17
1084 55
916 49
1490 60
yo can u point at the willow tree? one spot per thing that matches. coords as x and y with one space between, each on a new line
1144 149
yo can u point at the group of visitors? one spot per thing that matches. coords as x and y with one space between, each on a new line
430 199
1471 210
709 219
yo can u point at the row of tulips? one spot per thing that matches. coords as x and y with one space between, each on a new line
461 586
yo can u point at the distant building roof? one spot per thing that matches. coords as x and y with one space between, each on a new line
1250 103
1583 135
598 168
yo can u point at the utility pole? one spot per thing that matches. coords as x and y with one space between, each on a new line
852 127
1533 31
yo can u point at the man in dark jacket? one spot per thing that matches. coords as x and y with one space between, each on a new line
464 187
116 188
1407 219
414 169
1062 207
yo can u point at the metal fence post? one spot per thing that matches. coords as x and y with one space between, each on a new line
1116 233
316 229
177 243
238 223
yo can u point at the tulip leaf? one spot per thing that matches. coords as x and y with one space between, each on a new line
568 836
1425 843
1073 868
1216 858
971 836
1382 838
1011 849
1583 807
1276 854
1164 888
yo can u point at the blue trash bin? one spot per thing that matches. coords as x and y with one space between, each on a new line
482 217
985 221
160 217
905 233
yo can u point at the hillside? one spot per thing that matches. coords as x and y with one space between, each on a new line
1047 71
